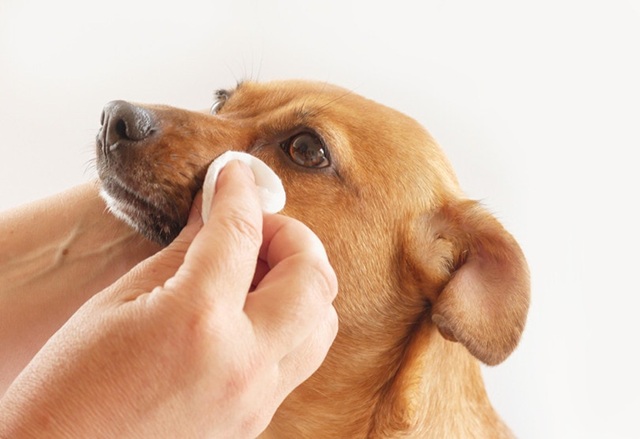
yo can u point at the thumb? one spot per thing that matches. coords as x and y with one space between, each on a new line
157 269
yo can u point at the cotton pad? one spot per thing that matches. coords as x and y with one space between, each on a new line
270 189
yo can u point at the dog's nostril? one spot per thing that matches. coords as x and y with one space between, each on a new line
124 124
121 130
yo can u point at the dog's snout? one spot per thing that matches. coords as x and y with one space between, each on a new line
123 124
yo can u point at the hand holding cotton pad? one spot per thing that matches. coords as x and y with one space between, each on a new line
270 189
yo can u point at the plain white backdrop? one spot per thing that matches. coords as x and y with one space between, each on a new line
537 104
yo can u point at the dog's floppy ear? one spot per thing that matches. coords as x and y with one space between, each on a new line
475 276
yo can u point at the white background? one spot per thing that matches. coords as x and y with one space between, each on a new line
537 105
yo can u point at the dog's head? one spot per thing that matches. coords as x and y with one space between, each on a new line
371 182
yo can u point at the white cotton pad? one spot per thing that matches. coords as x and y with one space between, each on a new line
270 189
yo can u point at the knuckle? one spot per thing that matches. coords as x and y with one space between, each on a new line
324 278
238 381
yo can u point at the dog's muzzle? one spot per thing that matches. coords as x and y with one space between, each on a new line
124 124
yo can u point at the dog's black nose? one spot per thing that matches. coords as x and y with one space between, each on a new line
123 124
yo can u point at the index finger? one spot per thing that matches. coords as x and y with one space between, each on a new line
297 292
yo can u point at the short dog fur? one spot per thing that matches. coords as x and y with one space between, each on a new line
430 283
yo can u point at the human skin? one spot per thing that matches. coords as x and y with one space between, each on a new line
56 254
177 347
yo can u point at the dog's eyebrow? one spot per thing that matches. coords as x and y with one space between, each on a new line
307 111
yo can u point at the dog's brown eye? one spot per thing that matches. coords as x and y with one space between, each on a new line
307 150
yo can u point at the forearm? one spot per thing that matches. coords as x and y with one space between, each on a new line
55 254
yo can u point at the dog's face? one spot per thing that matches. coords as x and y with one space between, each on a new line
329 146
370 181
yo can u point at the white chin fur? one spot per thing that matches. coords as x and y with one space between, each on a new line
114 207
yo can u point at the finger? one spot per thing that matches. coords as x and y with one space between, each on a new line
297 366
262 268
285 236
286 304
222 258
157 269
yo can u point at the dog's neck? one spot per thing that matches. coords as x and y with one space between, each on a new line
403 392
437 392
390 373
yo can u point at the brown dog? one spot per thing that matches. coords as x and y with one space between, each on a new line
430 282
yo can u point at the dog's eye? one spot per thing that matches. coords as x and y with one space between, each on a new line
307 150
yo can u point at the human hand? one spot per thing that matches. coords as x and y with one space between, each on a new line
177 347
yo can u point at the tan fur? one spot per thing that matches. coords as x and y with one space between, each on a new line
430 282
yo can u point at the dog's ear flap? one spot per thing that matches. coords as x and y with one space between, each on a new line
475 276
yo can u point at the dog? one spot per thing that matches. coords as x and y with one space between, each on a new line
430 283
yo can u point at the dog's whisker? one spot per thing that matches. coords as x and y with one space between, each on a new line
90 167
